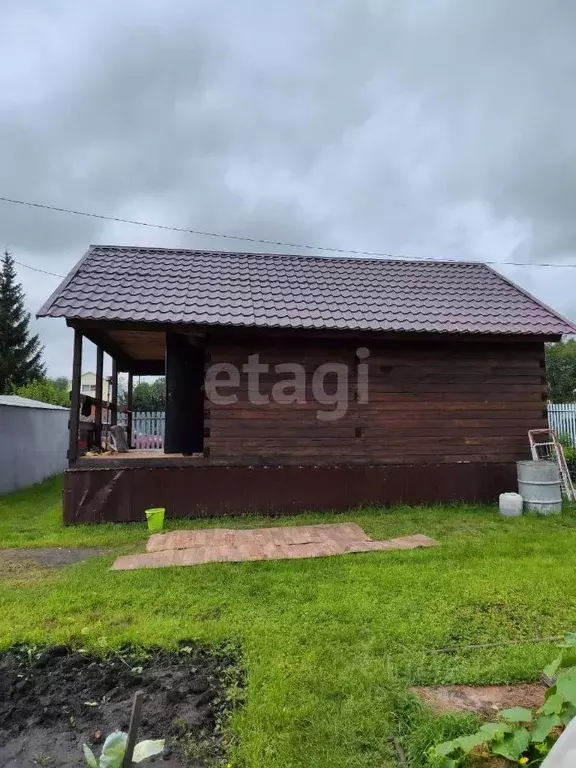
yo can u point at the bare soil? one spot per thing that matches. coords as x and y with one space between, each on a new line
53 700
49 557
484 700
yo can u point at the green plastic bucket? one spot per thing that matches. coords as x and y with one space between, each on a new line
155 518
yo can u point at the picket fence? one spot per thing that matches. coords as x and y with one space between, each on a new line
147 429
562 418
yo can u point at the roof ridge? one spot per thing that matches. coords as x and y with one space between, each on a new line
303 256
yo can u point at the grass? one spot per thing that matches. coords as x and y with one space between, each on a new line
330 645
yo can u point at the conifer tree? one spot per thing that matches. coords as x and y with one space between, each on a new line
20 351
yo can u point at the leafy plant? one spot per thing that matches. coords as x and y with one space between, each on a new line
55 391
569 450
520 735
114 748
561 371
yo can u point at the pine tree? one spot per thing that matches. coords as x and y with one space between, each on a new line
20 352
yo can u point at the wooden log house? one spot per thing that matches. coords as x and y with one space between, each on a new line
300 382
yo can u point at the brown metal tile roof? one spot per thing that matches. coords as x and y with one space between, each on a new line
279 291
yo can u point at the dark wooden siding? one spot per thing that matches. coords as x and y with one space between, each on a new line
428 401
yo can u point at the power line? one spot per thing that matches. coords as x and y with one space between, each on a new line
44 271
263 241
204 233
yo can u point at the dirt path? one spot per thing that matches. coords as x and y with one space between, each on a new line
55 557
31 563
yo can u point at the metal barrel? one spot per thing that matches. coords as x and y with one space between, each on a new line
539 486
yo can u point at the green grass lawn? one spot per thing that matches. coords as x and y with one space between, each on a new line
329 645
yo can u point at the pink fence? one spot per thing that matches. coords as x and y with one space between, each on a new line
147 429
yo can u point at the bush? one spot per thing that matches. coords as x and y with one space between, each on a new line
54 391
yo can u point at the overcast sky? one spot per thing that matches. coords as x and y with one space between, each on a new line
432 128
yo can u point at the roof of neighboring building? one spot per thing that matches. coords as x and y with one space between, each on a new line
309 292
26 402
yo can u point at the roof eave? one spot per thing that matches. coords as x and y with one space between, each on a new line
44 310
570 328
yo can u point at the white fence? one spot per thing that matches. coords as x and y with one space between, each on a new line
147 429
562 418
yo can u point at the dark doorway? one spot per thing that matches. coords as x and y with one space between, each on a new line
184 394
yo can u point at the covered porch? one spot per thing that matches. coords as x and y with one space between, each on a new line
139 350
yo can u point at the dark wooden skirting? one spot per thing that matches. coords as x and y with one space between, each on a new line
122 494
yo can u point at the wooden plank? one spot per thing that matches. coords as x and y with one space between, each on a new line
308 411
242 430
366 442
423 388
399 419
75 398
129 406
403 398
449 381
285 429
114 394
98 395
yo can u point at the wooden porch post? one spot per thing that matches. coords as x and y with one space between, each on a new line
114 395
74 422
99 375
129 400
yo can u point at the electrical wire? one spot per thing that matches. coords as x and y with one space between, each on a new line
44 271
205 233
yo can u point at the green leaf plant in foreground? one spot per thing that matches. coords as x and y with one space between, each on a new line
114 748
521 736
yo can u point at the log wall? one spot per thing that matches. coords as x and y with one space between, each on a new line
428 402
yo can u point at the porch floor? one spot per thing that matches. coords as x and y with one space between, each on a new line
230 545
135 457
149 453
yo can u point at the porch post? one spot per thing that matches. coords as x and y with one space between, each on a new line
114 395
99 375
129 400
74 421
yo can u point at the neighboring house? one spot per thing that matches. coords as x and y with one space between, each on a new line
88 386
331 382
33 441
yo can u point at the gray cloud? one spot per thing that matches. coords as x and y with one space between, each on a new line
438 128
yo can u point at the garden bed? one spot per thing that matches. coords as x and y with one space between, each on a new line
53 700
